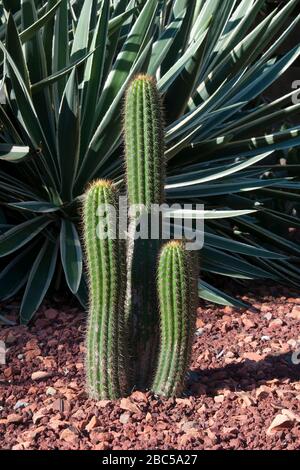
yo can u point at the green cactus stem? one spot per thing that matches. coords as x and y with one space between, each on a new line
144 142
105 371
177 290
144 151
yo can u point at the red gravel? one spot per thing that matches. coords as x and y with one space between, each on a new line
243 391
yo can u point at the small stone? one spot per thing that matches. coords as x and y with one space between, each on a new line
127 405
8 372
188 425
219 398
10 338
31 344
20 356
103 403
32 354
33 433
20 404
14 418
268 316
50 391
252 356
51 314
39 415
263 392
276 323
124 418
199 331
138 396
248 324
41 375
199 323
93 423
295 313
68 435
265 338
228 310
279 423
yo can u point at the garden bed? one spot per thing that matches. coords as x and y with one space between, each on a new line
243 391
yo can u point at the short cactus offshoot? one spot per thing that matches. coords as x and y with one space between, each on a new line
104 366
177 290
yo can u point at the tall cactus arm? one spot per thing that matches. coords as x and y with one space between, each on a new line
104 361
144 152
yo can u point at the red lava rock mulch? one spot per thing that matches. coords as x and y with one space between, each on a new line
243 391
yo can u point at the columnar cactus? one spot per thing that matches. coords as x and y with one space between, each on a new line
125 346
177 291
144 152
104 361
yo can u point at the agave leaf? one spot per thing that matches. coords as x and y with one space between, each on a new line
227 263
277 141
185 180
162 46
28 33
48 35
68 135
266 234
180 42
212 294
117 21
60 56
21 234
14 276
81 36
108 141
13 153
168 78
57 76
82 293
71 254
30 117
37 68
38 281
139 36
14 47
205 190
34 206
93 73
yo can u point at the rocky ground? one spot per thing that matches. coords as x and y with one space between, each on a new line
243 390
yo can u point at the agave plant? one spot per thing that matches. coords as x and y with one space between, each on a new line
65 66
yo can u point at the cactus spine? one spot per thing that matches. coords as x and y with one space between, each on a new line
104 368
177 289
144 151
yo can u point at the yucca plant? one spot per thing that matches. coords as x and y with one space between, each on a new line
64 68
